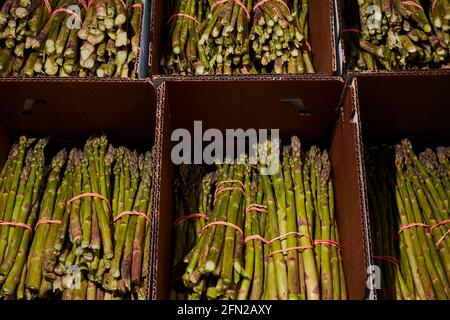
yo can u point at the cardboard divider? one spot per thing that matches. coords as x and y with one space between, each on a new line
231 106
321 27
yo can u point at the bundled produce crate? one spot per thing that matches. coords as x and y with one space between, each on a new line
78 237
296 108
394 35
406 141
242 37
68 38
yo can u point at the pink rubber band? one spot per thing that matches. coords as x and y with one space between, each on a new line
238 2
442 238
44 221
230 181
329 242
257 208
190 216
264 1
49 7
433 6
439 224
137 5
64 10
224 223
85 6
16 224
351 30
132 213
256 237
183 16
288 234
90 195
411 225
308 45
388 259
412 4
289 249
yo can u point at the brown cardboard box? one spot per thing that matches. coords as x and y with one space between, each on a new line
321 26
239 104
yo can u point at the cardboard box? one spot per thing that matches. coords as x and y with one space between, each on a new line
393 106
70 111
225 104
321 28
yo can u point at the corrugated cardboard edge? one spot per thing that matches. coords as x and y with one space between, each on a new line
156 189
356 115
73 79
332 25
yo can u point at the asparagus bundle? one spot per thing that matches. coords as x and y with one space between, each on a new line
92 223
69 38
266 236
397 35
21 184
237 37
417 190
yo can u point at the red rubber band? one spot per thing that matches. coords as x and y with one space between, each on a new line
44 221
183 16
238 2
289 249
288 234
137 5
16 224
433 6
90 195
257 208
256 237
85 6
190 216
308 45
412 4
388 259
132 213
411 225
329 242
439 224
228 224
64 10
264 1
219 190
351 30
49 7
442 238
230 181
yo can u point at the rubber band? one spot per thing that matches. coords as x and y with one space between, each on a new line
411 225
91 195
256 237
132 213
264 1
219 190
442 238
433 6
230 181
85 6
351 30
289 249
64 10
183 16
228 224
308 45
390 259
124 5
238 2
16 224
329 243
439 224
288 234
137 5
190 216
412 4
44 221
49 7
257 208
